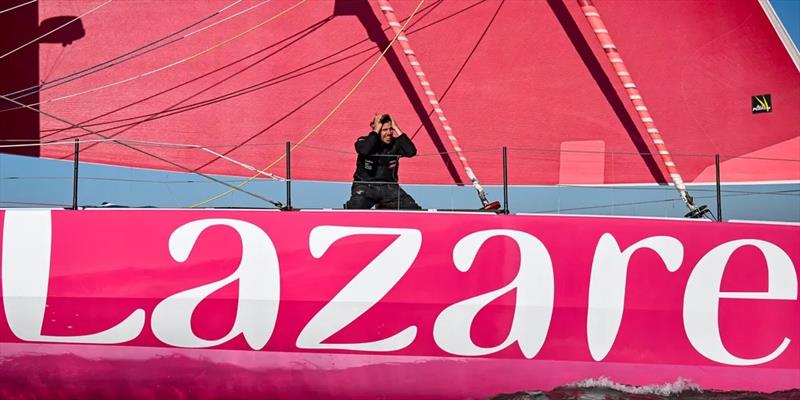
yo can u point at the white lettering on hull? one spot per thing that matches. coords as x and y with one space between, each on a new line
27 237
26 258
607 286
701 298
259 289
534 298
364 291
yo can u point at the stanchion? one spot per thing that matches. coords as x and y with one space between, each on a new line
288 206
505 180
75 175
719 189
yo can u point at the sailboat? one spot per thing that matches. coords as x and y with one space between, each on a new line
226 303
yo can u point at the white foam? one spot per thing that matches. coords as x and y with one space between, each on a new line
665 389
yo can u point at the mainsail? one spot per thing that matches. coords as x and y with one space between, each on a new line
527 75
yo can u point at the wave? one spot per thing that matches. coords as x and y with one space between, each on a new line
603 388
667 389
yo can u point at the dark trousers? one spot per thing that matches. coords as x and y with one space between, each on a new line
381 195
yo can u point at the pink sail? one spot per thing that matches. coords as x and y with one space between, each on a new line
348 304
530 75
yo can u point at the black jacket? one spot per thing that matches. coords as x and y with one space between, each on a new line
378 161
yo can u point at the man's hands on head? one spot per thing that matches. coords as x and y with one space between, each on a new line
396 127
376 123
377 126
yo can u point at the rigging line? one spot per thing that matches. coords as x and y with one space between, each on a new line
630 204
634 153
466 60
61 143
623 73
243 165
296 109
52 31
325 119
416 66
266 83
762 158
433 154
55 63
788 192
214 100
48 84
208 102
423 12
165 67
211 178
425 9
142 142
226 18
152 143
221 98
19 94
17 6
175 63
196 78
106 179
29 203
438 21
302 34
242 91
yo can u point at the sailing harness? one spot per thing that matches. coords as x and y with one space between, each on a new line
593 16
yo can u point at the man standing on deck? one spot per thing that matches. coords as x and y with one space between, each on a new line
375 179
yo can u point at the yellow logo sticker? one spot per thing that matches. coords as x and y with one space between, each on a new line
761 103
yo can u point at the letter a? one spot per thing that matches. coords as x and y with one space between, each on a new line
259 289
534 298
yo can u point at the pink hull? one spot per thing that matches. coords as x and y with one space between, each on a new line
220 304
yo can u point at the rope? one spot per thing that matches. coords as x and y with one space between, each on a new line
18 94
55 63
157 115
62 25
325 119
165 67
210 101
17 6
388 12
593 16
150 143
269 82
211 178
168 110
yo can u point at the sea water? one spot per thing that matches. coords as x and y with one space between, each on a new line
606 389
